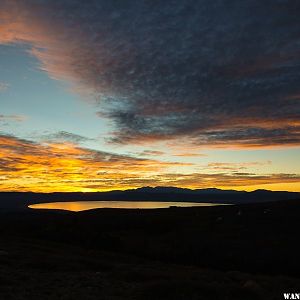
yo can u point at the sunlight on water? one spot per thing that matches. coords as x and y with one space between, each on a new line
86 205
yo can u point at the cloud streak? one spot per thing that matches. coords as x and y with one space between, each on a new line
3 86
64 136
237 166
215 73
46 167
15 118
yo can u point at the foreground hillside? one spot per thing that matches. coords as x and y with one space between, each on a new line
238 252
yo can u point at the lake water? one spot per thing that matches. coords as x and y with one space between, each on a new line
86 205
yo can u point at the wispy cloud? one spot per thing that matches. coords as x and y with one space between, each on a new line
189 154
237 166
214 73
15 118
3 86
64 136
151 153
207 180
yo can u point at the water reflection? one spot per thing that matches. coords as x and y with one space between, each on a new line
86 205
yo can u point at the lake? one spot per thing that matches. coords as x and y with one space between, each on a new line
86 205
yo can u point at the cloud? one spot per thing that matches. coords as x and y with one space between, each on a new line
237 166
27 165
207 180
211 72
64 136
151 153
46 167
189 154
15 118
3 86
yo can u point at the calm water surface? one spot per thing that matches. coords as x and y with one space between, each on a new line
86 205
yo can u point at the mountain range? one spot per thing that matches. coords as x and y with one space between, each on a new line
20 200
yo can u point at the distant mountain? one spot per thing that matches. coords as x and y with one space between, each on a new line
14 200
212 195
163 189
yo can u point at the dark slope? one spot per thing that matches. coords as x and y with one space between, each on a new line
232 252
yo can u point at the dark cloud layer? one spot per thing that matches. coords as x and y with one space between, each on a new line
216 72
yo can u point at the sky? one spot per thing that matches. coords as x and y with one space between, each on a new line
103 95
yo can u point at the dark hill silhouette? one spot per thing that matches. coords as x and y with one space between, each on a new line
171 254
17 200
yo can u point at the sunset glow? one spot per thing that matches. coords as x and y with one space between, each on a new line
95 99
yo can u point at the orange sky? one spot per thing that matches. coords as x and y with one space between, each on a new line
66 167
